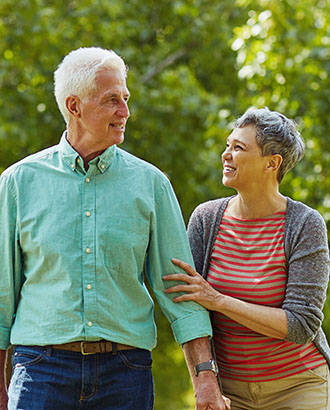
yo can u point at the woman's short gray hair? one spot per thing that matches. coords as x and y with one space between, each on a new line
77 72
275 134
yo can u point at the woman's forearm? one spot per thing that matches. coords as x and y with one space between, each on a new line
268 321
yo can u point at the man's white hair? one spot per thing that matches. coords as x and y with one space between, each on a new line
77 72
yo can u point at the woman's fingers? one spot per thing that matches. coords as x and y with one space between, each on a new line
178 277
192 285
192 282
179 288
185 266
181 276
185 298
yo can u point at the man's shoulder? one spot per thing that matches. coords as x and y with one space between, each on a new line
29 161
140 165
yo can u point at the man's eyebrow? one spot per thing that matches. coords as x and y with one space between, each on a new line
111 94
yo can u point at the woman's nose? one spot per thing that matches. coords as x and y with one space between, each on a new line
226 154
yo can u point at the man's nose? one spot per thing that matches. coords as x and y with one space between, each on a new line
123 110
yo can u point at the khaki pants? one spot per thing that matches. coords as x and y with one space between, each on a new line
309 390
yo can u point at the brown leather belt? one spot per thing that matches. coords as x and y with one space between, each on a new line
86 348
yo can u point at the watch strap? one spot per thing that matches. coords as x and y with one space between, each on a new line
209 365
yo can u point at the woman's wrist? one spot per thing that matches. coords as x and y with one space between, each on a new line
219 302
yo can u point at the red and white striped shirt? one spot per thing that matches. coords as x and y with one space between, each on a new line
248 263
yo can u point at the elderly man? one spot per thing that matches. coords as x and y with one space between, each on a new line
81 223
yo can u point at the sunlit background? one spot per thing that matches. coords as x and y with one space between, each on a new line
194 66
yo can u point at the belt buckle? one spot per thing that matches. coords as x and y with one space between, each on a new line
83 351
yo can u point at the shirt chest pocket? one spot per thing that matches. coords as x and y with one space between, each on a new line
126 243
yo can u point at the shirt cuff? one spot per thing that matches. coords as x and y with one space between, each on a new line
192 327
4 338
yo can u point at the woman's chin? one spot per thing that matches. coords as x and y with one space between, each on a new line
227 182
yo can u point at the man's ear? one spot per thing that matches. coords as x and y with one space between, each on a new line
72 104
274 162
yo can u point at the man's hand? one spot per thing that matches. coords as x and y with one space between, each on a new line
206 387
208 395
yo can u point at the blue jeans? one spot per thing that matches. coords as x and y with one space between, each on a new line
50 379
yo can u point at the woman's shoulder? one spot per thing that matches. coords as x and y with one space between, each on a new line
212 207
300 214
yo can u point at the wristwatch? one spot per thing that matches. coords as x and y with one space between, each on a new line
210 365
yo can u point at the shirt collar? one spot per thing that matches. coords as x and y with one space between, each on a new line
73 159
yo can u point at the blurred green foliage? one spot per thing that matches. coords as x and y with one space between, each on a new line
195 65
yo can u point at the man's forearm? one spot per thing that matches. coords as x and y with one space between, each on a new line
206 387
196 351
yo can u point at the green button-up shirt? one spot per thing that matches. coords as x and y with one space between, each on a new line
75 247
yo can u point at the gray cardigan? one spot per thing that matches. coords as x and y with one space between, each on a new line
307 260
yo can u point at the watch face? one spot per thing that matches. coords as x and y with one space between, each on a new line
214 367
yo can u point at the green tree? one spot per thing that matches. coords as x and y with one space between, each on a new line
195 65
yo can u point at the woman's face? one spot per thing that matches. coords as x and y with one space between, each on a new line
243 165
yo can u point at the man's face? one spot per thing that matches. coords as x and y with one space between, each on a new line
104 114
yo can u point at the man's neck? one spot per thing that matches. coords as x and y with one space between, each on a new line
87 153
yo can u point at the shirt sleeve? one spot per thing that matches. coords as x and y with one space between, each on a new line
10 261
169 240
308 275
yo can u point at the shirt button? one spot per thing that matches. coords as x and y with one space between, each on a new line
87 179
102 166
88 250
87 213
90 324
78 160
89 287
72 166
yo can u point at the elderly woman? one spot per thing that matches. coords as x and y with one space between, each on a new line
263 260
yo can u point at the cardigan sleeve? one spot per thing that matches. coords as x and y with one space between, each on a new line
196 239
202 231
308 275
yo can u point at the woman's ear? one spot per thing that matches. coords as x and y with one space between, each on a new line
72 104
274 162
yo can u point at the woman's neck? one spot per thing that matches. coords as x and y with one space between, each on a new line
251 206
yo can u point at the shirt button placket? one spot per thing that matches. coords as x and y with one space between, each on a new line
88 238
